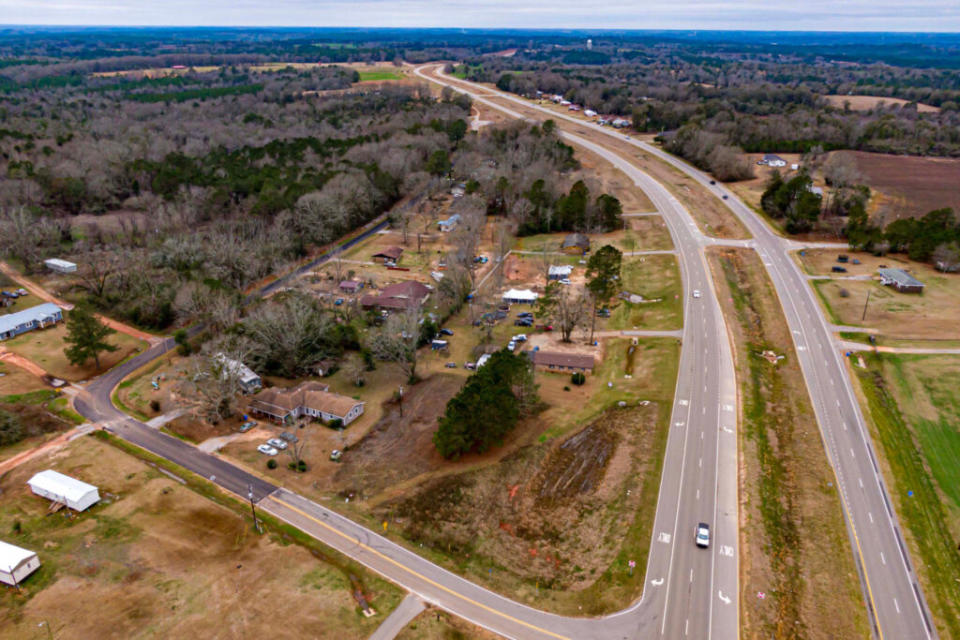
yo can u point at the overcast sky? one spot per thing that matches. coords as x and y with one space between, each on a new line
833 15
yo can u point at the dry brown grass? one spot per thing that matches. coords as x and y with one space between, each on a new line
793 540
927 316
17 380
866 103
434 624
615 182
155 559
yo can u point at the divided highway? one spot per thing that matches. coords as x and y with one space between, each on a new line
895 602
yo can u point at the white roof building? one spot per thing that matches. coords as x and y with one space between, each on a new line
559 271
60 266
482 360
520 295
60 488
16 563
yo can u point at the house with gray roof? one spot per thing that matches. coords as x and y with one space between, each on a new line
38 317
900 280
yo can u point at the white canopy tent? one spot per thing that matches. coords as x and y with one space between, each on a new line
523 296
60 488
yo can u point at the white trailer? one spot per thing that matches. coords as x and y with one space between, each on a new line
16 564
63 489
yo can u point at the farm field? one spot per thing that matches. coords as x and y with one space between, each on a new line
908 186
45 348
914 415
894 315
155 559
793 538
866 103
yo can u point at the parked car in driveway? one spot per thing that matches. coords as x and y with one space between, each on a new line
451 365
267 450
523 322
446 332
246 426
23 292
520 337
277 443
289 437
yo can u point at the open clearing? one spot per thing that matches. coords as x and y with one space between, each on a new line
909 186
913 410
155 559
930 315
866 103
434 624
615 182
45 348
657 279
793 539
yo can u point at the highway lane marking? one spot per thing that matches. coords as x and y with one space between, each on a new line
852 454
895 604
691 575
664 537
860 481
870 515
883 558
686 627
698 494
723 598
726 550
683 403
657 582
415 573
728 407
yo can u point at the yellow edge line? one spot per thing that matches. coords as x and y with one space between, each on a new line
414 573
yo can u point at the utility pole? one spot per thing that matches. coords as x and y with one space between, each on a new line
401 401
864 317
253 509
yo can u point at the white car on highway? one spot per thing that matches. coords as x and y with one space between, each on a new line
267 450
696 293
703 535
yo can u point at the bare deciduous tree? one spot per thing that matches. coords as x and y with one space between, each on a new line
397 340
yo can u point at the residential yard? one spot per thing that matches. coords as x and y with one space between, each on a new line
45 348
647 233
657 279
18 380
156 559
913 411
930 315
793 538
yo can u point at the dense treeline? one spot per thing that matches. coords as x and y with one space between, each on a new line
933 238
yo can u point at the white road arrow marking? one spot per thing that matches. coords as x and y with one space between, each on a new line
683 403
725 599
728 429
728 407
657 582
664 537
726 551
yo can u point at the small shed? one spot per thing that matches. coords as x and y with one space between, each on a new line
900 280
575 244
520 296
63 489
16 563
559 271
60 266
449 224
350 286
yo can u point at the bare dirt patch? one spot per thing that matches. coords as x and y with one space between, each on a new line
911 186
793 539
866 103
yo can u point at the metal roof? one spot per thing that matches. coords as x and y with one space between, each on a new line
43 311
12 556
900 277
61 485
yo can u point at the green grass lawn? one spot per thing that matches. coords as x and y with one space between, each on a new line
914 412
653 277
45 348
379 75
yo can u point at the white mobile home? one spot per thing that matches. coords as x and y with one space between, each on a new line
16 564
60 266
60 488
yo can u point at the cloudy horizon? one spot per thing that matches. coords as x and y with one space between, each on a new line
812 15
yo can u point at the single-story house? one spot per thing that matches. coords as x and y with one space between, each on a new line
350 286
575 244
559 361
16 564
620 123
520 296
390 254
449 224
38 317
63 489
249 381
900 280
402 295
772 160
458 191
308 398
60 266
559 271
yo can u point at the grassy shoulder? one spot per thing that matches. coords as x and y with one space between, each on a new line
914 413
657 279
794 543
155 557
